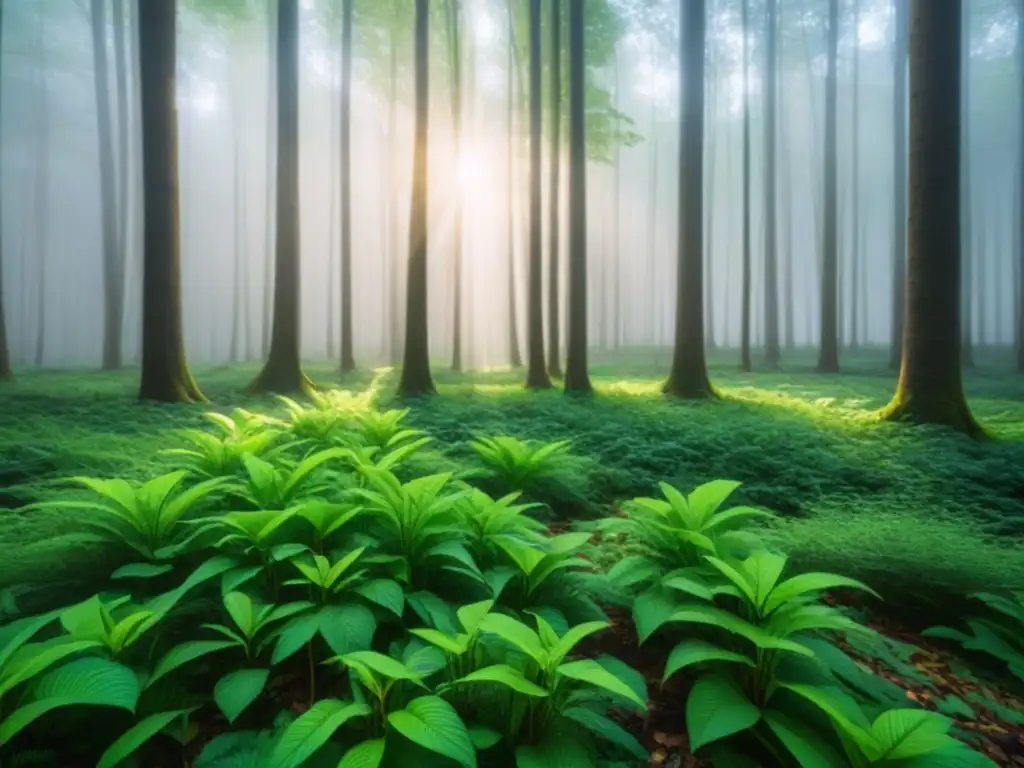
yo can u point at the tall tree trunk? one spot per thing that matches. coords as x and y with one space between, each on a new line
240 287
282 371
395 302
536 374
577 378
271 181
347 354
689 375
165 376
335 214
416 380
515 356
1020 190
6 374
616 225
710 117
772 353
899 182
555 195
41 189
828 354
746 281
123 154
930 389
453 13
785 183
652 229
113 268
967 203
856 260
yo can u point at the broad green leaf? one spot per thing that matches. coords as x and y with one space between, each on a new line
471 615
312 730
706 499
383 665
483 738
243 611
516 633
236 577
182 654
554 752
693 651
717 709
906 733
730 622
811 582
36 658
504 675
385 593
456 645
809 747
294 635
369 754
432 723
841 708
141 571
739 578
607 729
237 690
688 585
633 570
574 636
212 568
20 632
347 628
651 610
131 740
589 671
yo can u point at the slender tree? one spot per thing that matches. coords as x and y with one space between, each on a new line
165 375
6 374
855 215
269 219
828 354
416 380
616 225
554 197
347 353
577 379
453 13
41 188
536 374
1020 192
689 375
967 204
397 339
121 20
746 278
772 353
282 371
899 181
930 389
515 356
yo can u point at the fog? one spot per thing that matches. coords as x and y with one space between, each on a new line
52 213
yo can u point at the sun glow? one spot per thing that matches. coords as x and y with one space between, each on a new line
472 168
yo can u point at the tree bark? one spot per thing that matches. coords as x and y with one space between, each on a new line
1020 190
899 183
930 389
515 356
347 353
577 378
536 374
856 257
397 340
123 154
967 203
455 73
616 225
689 375
416 380
772 353
745 364
271 190
41 189
828 353
6 374
282 371
555 199
165 376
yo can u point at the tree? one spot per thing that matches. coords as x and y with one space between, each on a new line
967 203
554 197
453 12
899 182
5 357
930 389
745 290
828 353
1020 195
577 379
856 256
536 373
515 357
282 371
771 241
347 356
41 188
689 375
416 380
165 375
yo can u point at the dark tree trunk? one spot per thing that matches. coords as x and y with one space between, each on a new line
397 340
515 357
899 183
123 154
709 208
165 375
828 354
455 73
1020 191
689 375
347 354
282 371
113 267
930 389
746 281
555 199
5 356
577 378
967 202
416 380
271 189
41 189
772 353
855 222
536 374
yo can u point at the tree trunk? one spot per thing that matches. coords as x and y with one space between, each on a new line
515 357
282 371
967 203
555 199
709 209
271 191
785 183
5 356
828 354
416 380
335 220
113 268
577 378
397 340
856 261
347 354
899 183
536 375
652 229
455 72
123 153
1020 191
237 266
930 389
616 225
689 375
772 353
746 282
165 376
41 189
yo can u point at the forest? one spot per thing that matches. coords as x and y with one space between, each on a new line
511 383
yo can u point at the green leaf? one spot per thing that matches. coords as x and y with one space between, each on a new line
688 585
504 675
456 645
716 709
237 690
132 739
294 635
141 571
906 733
385 593
483 737
312 730
554 752
811 582
607 729
369 754
182 654
693 651
651 610
36 658
91 681
471 615
515 633
347 628
574 636
809 748
383 665
633 570
699 613
589 671
432 723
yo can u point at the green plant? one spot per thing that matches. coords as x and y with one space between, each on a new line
520 465
488 522
267 486
116 625
318 423
383 429
1000 634
220 455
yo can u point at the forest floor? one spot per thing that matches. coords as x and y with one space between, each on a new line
922 515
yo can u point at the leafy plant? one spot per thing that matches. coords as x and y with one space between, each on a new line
116 625
318 423
488 522
383 429
1000 634
267 486
520 465
220 454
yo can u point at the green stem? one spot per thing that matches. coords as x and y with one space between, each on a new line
312 674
